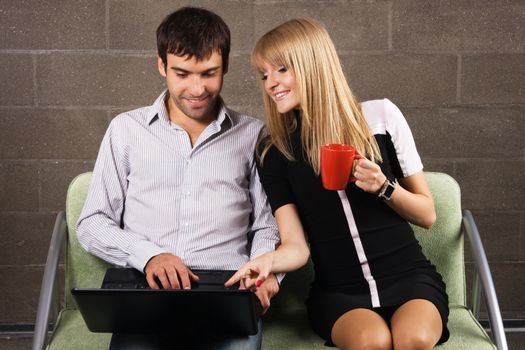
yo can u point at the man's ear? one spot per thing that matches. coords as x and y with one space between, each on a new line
161 66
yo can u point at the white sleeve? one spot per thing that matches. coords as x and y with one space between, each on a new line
402 138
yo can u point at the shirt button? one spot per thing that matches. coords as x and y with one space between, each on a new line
186 224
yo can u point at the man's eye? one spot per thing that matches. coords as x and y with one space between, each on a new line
181 75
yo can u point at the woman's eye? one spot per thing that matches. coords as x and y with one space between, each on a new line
264 76
283 70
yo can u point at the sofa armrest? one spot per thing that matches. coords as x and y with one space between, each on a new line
48 302
485 276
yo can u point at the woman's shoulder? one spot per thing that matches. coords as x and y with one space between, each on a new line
382 115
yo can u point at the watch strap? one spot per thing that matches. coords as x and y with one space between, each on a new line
387 190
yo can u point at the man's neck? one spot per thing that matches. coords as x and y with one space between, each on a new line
194 127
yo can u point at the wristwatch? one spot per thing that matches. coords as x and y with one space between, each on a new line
386 190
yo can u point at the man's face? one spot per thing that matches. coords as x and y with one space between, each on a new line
194 86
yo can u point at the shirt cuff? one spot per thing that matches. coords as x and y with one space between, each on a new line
141 252
280 277
260 251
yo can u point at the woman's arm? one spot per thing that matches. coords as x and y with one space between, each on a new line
292 253
411 198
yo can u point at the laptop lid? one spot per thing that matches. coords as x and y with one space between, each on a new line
126 304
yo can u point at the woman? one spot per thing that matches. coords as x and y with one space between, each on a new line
373 286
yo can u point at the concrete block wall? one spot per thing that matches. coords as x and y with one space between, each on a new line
456 68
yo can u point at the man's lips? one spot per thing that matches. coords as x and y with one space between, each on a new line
197 102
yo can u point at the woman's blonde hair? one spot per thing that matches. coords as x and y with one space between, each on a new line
330 112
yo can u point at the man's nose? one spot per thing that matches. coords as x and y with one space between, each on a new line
197 87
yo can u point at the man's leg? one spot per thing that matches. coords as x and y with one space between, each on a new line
197 341
127 341
252 342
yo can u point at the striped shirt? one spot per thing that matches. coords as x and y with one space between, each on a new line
153 192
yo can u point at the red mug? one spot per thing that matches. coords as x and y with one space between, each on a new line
337 164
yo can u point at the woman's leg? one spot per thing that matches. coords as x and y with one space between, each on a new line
416 325
361 329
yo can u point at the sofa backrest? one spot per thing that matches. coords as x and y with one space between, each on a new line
442 244
83 270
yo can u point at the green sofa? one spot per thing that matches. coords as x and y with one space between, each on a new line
285 325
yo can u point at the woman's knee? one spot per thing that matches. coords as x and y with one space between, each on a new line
414 340
366 339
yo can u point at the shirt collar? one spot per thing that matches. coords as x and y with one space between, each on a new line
159 111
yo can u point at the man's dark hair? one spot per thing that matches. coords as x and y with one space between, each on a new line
195 32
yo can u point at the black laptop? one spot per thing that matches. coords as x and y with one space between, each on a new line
126 304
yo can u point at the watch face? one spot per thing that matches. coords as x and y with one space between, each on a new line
388 191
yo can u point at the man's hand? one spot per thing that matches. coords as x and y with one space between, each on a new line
170 271
266 291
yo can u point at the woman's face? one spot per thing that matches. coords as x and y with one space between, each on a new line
281 86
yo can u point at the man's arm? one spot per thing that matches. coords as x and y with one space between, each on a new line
99 226
265 236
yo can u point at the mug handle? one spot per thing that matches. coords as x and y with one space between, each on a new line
357 156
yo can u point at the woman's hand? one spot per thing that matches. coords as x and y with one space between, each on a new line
369 176
254 272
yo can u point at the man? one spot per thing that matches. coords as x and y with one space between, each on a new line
175 185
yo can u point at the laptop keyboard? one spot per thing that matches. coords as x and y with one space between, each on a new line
128 278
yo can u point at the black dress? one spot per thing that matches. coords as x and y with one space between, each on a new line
364 253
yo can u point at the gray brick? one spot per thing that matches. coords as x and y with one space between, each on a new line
477 132
522 236
97 79
438 165
56 178
256 111
19 297
19 187
16 343
25 238
52 24
51 133
492 185
509 281
352 25
493 78
133 23
407 79
515 340
499 232
458 25
16 74
241 88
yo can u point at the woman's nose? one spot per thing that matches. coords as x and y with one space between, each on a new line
271 82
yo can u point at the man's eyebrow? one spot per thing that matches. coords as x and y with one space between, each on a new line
188 72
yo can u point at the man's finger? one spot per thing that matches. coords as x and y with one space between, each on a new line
173 278
193 276
163 279
184 277
151 281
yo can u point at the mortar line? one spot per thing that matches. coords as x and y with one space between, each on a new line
35 85
390 26
106 25
458 79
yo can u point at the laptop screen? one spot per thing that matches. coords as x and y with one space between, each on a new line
126 304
